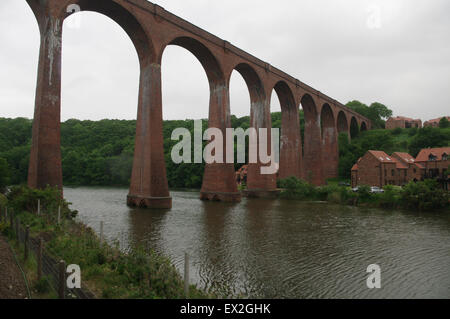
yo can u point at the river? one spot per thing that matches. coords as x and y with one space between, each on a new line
282 249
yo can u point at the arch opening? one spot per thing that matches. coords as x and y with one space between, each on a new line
363 126
342 123
354 129
126 20
205 57
98 82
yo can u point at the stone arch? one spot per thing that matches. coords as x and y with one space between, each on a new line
125 19
313 147
329 142
260 117
342 123
363 126
204 55
354 128
291 161
253 81
219 180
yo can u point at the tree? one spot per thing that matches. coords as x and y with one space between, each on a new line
444 123
376 112
4 175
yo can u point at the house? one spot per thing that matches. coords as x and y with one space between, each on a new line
376 168
435 161
402 122
435 122
415 171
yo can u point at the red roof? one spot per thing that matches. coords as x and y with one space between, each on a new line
402 118
355 167
424 154
404 157
382 157
437 120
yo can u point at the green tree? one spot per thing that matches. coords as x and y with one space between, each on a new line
376 112
4 175
444 123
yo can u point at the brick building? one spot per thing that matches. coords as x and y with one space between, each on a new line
376 168
435 161
435 122
402 122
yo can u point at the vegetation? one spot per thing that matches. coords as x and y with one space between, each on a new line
106 271
421 196
376 112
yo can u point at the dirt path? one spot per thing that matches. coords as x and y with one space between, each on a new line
12 285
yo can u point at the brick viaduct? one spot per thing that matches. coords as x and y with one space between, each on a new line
151 30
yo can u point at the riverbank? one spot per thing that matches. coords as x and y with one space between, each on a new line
106 271
415 196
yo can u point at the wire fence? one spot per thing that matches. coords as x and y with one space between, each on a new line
49 266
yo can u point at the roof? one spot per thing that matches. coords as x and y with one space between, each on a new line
383 157
404 157
437 120
355 167
402 118
438 152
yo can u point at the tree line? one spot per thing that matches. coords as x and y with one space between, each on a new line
100 153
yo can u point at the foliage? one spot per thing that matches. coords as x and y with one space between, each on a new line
444 123
109 272
425 195
429 137
4 175
376 112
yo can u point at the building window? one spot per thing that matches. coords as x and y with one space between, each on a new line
415 171
393 172
432 158
444 157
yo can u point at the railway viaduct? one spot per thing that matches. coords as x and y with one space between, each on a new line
152 29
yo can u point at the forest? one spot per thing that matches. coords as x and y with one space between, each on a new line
100 153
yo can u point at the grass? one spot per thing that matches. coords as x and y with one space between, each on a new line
106 271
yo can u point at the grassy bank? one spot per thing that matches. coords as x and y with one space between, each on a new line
106 271
420 196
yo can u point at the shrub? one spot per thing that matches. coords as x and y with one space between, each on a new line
426 195
294 188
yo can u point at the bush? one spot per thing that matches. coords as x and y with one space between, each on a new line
426 195
294 188
397 131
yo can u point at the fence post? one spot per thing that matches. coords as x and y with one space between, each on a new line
39 207
186 275
39 259
62 280
26 243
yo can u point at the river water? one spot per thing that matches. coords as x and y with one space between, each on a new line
283 249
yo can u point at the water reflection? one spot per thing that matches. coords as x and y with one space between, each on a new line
284 249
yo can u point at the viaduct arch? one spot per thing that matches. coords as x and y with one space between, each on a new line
152 29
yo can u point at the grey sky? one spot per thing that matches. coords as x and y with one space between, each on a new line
342 48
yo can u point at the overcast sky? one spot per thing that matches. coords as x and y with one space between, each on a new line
396 52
